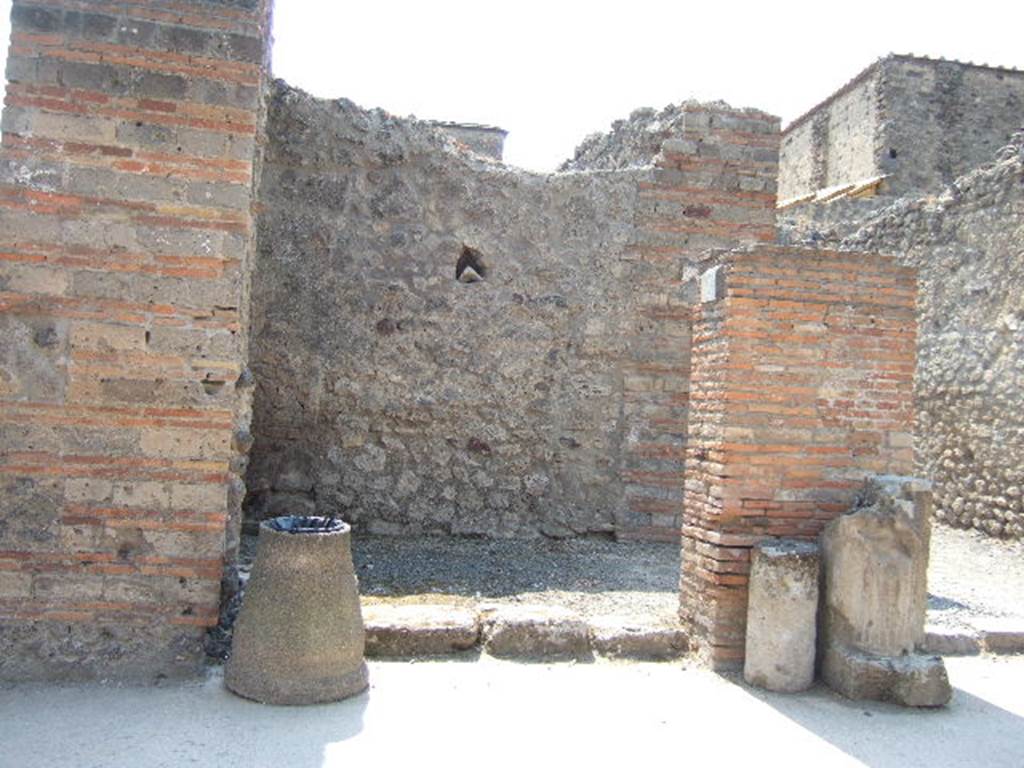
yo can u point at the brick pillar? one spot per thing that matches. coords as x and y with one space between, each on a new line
801 385
125 188
712 187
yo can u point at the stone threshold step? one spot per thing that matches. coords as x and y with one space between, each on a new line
550 633
515 631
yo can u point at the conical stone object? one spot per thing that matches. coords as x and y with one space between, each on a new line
299 636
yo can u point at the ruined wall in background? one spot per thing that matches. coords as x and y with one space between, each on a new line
632 142
550 396
968 247
129 133
836 142
801 163
827 222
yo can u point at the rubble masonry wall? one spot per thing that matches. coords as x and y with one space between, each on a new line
550 397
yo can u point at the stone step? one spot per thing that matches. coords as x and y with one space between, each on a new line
537 632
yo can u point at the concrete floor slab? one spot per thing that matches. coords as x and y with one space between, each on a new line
503 713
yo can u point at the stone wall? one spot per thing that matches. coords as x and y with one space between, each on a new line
837 142
630 143
125 184
943 119
827 222
921 121
967 245
802 386
548 396
801 163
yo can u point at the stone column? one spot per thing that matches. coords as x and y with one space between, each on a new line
782 615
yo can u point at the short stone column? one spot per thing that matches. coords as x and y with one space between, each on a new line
782 615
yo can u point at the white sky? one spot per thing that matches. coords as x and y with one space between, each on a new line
552 72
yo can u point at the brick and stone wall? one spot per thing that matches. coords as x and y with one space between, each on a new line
548 397
921 121
712 186
802 385
129 133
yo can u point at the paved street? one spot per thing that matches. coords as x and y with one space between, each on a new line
490 712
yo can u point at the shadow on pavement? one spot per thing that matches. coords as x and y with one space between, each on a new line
969 731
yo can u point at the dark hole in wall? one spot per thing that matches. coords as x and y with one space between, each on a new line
212 386
470 267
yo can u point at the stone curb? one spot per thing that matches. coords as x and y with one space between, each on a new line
1002 635
993 637
541 632
515 631
622 638
419 630
948 642
1003 642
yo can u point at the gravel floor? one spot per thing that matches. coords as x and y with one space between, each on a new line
589 576
971 577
